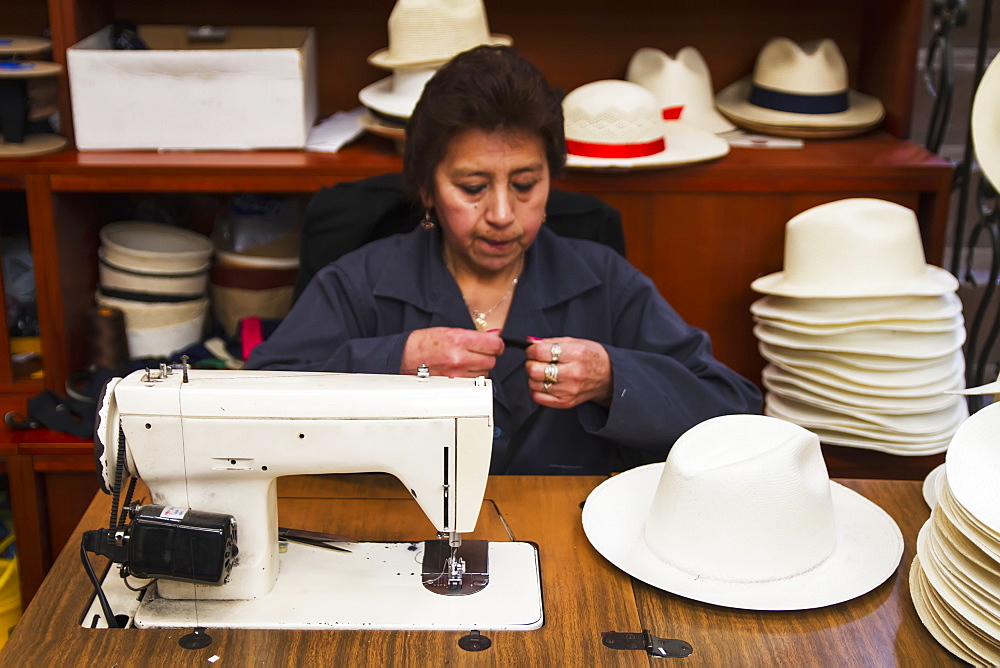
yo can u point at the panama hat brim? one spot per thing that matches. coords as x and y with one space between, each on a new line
868 550
863 112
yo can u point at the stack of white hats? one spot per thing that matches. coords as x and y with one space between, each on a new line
423 36
955 576
863 339
157 275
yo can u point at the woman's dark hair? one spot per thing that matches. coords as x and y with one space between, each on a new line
486 88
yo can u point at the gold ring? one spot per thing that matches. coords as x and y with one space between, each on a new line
552 373
545 387
556 351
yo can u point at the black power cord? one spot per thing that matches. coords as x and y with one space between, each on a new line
109 616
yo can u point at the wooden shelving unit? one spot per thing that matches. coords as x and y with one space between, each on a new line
702 232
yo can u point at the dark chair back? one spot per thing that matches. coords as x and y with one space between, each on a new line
345 216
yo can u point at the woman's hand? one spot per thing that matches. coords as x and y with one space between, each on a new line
450 351
579 371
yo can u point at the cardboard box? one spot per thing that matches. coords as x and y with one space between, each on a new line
254 90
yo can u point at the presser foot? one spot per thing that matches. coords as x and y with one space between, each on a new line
455 572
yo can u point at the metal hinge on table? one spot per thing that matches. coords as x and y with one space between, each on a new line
669 648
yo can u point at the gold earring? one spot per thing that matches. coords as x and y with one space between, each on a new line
426 223
545 216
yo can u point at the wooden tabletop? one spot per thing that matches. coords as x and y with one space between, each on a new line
583 595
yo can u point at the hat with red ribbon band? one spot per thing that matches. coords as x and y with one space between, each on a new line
619 124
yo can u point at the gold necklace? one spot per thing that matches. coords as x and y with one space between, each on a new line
479 317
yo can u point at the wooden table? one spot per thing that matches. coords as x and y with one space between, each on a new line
583 594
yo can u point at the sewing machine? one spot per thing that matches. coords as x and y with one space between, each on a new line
209 445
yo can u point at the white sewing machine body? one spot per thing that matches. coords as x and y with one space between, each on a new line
216 441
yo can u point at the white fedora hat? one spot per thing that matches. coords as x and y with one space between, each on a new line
799 86
943 622
743 514
432 32
884 442
847 363
876 384
858 247
857 310
394 97
985 123
618 124
965 584
885 326
819 394
905 345
932 424
974 466
889 372
682 85
932 485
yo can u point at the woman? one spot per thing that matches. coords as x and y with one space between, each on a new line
612 376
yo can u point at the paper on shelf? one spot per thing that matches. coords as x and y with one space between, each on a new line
333 133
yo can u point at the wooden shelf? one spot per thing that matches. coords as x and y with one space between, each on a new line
701 232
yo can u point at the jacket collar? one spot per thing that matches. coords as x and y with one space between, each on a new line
553 274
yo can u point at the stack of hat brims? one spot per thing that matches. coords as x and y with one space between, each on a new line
157 275
423 36
862 338
955 576
800 90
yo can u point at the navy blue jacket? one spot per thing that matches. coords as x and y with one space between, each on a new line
356 314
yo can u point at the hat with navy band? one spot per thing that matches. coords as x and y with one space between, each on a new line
799 87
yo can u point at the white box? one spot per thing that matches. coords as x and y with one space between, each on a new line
255 90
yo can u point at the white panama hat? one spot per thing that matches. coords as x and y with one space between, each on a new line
793 385
857 247
943 622
799 87
743 514
932 485
912 447
868 370
932 424
985 124
616 124
432 32
958 578
875 385
857 310
886 326
974 466
394 97
954 577
682 86
903 345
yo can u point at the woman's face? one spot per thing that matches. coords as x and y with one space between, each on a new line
489 196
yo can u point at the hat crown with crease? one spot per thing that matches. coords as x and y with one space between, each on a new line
423 32
813 68
681 85
855 248
612 112
743 498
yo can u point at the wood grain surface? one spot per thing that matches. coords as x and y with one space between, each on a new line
583 596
